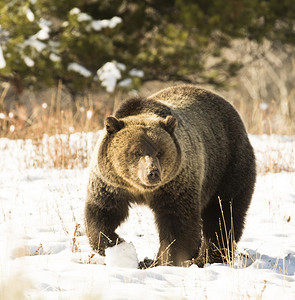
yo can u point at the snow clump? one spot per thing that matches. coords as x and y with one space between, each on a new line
79 69
123 256
109 73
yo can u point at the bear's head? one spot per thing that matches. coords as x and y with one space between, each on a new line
139 153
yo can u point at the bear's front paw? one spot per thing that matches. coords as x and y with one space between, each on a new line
147 263
123 256
210 257
199 261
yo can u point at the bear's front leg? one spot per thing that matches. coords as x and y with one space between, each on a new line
100 227
178 246
179 233
104 212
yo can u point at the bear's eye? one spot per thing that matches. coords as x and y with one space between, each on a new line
137 154
159 154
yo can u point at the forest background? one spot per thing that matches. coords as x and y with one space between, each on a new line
65 65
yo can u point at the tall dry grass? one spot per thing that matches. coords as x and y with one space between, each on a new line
264 91
267 117
259 116
55 134
35 119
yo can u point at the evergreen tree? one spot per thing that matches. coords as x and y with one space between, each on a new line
44 41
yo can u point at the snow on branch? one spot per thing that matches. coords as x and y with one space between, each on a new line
109 73
2 59
96 25
79 69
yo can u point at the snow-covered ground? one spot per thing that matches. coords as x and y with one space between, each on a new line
44 253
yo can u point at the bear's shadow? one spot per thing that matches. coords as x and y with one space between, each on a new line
284 266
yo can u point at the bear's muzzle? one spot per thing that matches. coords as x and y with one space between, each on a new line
149 170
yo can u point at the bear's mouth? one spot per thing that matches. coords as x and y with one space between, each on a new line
153 177
150 179
149 172
150 184
148 187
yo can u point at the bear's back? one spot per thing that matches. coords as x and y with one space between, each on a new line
180 96
136 106
185 98
191 98
197 105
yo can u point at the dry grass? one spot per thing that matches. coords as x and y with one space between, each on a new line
74 243
259 118
267 117
50 117
48 130
227 245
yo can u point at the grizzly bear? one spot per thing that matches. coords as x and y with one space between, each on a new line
185 153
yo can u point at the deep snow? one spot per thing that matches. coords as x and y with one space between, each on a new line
44 253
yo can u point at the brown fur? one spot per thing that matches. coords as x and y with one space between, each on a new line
178 152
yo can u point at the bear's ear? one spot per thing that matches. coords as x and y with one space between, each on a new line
169 124
113 125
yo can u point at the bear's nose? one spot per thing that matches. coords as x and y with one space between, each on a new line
154 176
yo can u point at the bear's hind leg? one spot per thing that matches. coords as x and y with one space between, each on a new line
223 223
